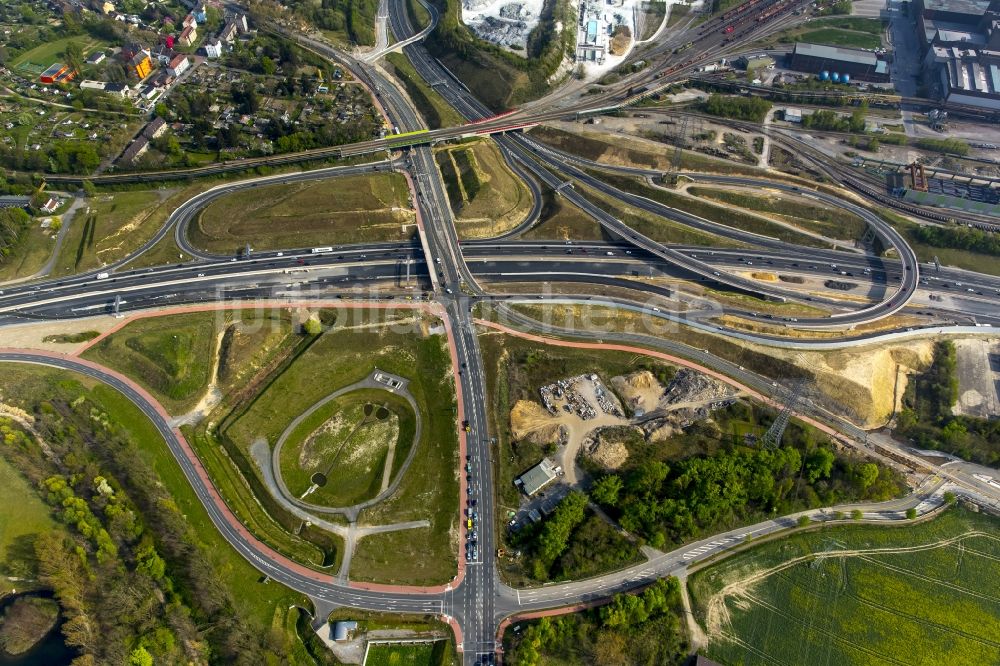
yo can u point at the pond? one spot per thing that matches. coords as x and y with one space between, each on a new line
50 651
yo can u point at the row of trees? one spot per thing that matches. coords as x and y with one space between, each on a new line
61 157
134 581
953 146
962 238
641 628
831 121
740 108
13 223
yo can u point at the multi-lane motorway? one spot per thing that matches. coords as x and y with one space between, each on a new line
459 275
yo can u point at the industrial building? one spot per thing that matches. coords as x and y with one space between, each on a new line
57 73
537 477
961 61
855 63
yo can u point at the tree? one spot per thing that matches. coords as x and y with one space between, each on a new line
312 326
857 514
554 537
911 513
140 657
267 66
819 464
73 55
949 498
161 110
803 521
867 474
605 491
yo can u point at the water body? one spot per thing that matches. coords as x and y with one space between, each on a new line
50 651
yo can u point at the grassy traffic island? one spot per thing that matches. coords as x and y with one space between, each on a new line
238 378
352 209
485 196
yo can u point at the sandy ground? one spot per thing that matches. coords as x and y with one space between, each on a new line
640 389
978 377
29 336
864 382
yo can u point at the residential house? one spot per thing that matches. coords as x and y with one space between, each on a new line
228 33
96 58
189 35
141 65
120 89
155 128
178 65
135 150
131 50
213 48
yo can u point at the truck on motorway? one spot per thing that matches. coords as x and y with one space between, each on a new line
320 250
103 276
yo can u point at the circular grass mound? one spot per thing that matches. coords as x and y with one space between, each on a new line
339 456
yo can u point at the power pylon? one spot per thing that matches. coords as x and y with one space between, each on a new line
679 146
772 438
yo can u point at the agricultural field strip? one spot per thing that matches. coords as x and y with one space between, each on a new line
188 280
797 619
873 604
717 604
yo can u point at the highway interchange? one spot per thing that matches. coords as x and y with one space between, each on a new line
459 275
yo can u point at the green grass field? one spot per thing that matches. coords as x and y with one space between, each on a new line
850 31
829 221
921 594
562 221
608 148
429 103
347 447
353 209
417 654
116 224
486 197
170 356
655 227
725 215
32 253
31 517
837 37
35 61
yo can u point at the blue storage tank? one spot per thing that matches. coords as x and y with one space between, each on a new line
824 75
835 77
846 78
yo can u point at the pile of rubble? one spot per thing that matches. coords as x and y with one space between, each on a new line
692 386
499 31
571 395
